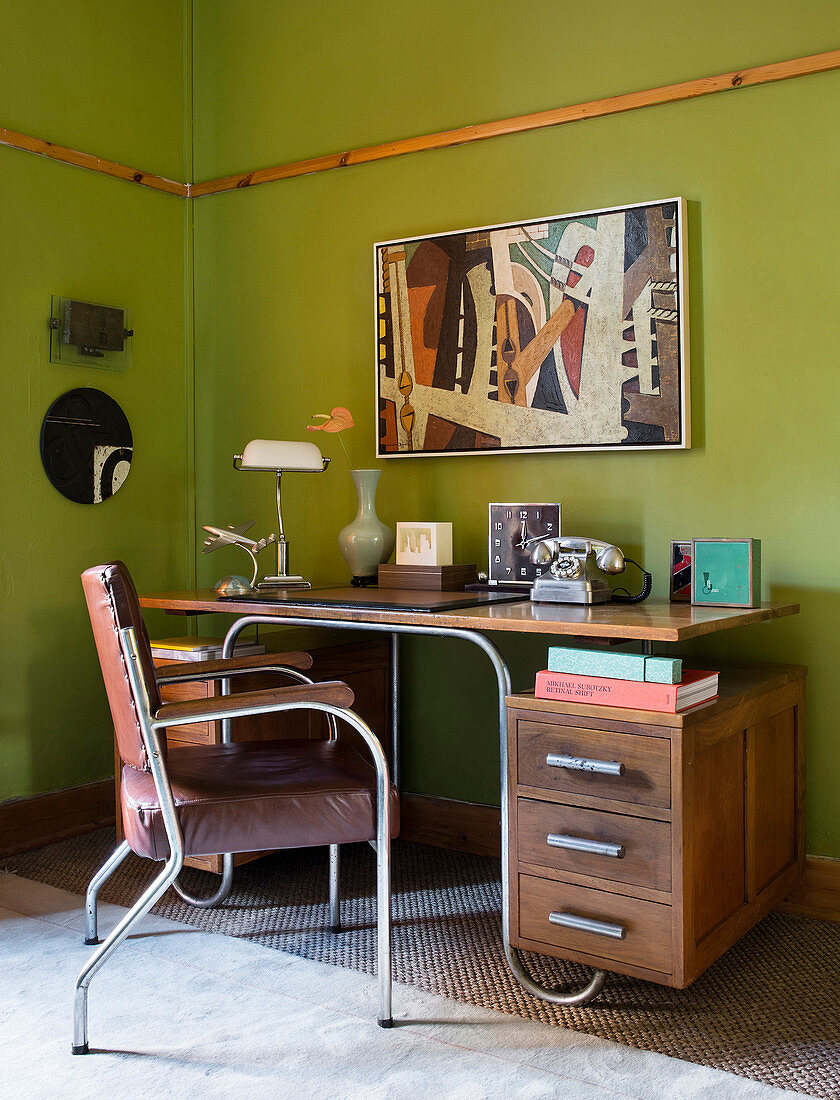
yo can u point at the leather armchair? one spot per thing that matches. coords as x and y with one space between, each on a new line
239 797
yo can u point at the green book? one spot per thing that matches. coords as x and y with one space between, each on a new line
596 662
663 670
615 665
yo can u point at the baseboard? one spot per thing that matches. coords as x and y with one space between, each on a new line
446 823
818 895
27 823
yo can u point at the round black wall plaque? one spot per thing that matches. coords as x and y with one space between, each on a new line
86 445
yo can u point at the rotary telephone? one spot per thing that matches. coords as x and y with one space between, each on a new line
570 568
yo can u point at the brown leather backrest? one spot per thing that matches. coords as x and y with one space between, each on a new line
113 605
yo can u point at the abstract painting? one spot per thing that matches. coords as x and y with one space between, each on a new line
563 333
86 445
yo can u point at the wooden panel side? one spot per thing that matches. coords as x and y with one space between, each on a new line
719 838
514 723
681 854
771 749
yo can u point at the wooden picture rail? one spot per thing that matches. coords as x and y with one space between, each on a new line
446 139
97 164
598 108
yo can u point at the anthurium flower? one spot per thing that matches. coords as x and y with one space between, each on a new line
339 419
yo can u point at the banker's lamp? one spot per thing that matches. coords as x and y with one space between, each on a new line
279 456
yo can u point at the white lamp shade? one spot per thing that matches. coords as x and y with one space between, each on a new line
280 454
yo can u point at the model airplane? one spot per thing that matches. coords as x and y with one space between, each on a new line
235 536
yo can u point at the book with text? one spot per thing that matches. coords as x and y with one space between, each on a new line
695 687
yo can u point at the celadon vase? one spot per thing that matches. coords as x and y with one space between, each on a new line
365 541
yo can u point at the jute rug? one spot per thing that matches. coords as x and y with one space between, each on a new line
768 1010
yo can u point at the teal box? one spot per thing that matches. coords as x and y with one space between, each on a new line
596 662
663 670
726 572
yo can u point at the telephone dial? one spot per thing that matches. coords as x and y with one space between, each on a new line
568 572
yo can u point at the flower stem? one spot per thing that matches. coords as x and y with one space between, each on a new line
344 445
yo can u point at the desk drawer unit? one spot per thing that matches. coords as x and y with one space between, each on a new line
649 843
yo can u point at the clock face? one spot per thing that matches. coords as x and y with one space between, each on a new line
515 530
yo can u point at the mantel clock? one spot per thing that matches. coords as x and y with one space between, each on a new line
515 530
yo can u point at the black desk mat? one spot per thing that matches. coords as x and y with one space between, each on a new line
376 599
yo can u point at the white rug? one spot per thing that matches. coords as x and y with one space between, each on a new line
178 1011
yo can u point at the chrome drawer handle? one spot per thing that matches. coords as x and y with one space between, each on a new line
581 844
587 924
581 764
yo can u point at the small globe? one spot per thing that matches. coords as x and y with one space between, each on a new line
234 585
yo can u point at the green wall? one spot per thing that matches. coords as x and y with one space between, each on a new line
105 77
284 297
283 309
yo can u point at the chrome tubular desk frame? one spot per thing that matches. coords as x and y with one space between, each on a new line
555 996
656 620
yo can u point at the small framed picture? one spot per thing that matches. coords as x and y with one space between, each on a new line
726 572
680 571
424 544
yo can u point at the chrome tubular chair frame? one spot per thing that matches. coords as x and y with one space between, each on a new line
184 676
149 728
503 682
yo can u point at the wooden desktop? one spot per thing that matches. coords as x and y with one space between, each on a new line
655 620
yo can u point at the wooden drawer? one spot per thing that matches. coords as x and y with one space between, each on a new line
647 940
196 733
646 779
646 859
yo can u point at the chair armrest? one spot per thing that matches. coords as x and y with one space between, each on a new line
333 692
179 672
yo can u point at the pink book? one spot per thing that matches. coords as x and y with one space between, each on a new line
695 687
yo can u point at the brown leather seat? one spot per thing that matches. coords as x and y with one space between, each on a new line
242 797
251 796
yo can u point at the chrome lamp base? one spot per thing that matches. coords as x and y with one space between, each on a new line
284 580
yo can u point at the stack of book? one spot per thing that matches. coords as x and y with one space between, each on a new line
623 680
199 649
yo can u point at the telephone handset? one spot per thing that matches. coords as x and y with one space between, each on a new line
570 568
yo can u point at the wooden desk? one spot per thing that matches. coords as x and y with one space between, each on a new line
655 620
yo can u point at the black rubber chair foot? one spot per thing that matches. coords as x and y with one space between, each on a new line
83 1049
336 929
386 1023
92 943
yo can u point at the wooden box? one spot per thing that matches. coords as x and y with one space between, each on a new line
438 578
677 857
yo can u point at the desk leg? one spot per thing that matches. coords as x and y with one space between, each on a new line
554 996
395 709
